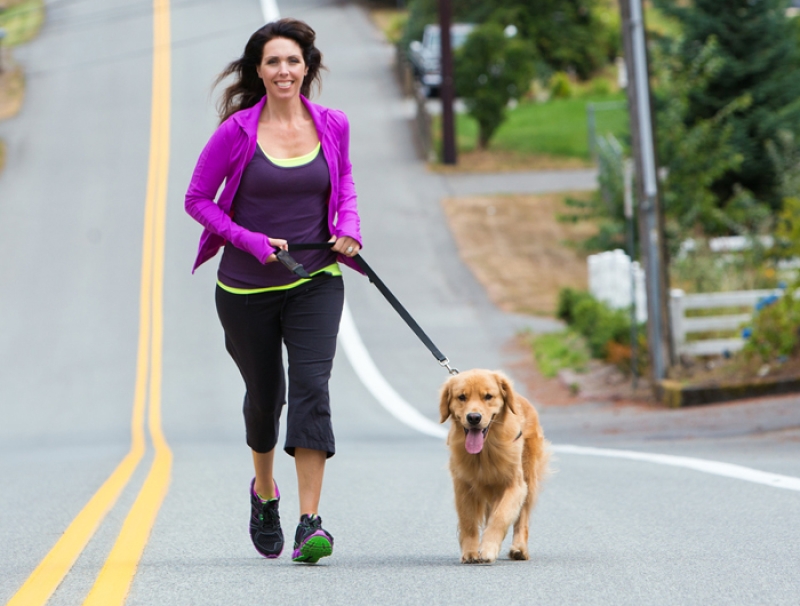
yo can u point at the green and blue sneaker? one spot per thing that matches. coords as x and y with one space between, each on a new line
311 541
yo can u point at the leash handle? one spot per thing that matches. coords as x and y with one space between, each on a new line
389 296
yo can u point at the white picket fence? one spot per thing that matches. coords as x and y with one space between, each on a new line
682 326
611 277
610 281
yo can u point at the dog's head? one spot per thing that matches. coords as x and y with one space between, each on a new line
475 399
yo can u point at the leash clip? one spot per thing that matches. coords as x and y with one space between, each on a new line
291 264
446 364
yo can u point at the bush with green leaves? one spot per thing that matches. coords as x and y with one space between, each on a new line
490 70
595 320
558 350
560 86
775 329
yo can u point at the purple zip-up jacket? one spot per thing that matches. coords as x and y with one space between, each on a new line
225 157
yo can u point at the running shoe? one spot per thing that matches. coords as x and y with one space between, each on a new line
265 524
311 541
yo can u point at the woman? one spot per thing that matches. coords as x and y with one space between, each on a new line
286 168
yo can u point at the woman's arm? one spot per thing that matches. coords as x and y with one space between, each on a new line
212 169
348 222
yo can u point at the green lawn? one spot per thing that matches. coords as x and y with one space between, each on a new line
22 21
557 128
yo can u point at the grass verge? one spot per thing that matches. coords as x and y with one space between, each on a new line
22 21
12 91
559 350
518 249
554 133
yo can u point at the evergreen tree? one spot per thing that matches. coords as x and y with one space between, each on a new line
758 55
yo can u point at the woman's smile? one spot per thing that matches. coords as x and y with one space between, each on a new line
282 67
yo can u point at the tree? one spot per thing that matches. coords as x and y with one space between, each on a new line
491 69
697 155
569 35
606 207
575 36
758 57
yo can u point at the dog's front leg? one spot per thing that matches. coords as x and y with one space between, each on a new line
500 519
468 522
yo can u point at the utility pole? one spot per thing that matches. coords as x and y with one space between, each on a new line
651 238
446 89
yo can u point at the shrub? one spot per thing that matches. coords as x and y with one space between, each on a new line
558 350
775 331
595 320
601 87
560 86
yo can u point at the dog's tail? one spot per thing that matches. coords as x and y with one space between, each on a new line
543 467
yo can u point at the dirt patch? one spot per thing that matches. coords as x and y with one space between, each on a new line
492 161
600 383
518 249
523 256
12 91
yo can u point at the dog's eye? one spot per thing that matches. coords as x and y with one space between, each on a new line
488 397
462 397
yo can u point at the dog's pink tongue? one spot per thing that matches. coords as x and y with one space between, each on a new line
474 441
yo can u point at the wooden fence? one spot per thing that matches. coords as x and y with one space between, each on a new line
610 281
683 325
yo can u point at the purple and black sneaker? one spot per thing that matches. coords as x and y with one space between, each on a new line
311 541
265 524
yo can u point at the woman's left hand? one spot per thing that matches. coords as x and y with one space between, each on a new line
346 246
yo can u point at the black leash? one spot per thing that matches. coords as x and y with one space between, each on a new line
285 258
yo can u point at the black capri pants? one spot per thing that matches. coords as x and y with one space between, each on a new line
305 318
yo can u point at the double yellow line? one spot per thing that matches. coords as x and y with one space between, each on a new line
113 582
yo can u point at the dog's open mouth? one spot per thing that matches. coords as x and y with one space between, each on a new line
474 439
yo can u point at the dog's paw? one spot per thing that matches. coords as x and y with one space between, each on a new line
489 554
471 557
517 553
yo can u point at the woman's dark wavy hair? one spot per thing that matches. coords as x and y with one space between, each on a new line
247 88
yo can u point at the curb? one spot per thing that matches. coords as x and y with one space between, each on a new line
675 394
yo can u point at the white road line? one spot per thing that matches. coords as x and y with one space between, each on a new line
404 412
379 387
269 8
727 470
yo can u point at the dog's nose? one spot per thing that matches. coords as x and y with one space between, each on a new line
474 418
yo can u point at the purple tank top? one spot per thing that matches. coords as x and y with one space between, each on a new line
289 203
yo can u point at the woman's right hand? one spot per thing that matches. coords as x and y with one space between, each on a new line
276 243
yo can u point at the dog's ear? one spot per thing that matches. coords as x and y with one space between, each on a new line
504 383
444 401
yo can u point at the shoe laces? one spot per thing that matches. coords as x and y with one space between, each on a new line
269 514
314 523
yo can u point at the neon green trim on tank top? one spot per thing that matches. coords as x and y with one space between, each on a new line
333 269
293 162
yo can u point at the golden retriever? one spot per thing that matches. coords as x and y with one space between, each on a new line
498 457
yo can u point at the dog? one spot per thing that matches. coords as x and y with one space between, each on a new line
498 459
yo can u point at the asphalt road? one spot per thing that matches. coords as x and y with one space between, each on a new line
72 218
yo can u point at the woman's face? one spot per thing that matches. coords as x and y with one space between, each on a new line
282 68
